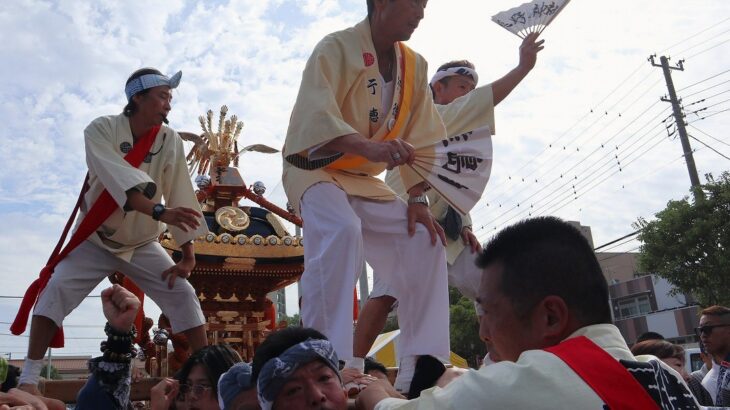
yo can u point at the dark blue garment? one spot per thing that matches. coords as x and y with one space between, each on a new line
108 386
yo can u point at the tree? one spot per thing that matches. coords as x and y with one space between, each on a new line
293 321
464 328
688 243
55 375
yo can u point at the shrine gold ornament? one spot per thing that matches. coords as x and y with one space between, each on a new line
232 219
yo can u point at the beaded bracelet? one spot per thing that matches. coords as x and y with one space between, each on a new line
116 335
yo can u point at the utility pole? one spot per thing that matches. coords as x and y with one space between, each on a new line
678 117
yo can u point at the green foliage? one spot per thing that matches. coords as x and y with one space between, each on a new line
391 324
688 243
293 321
464 328
55 375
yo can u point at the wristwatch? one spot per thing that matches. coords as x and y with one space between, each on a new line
419 199
157 211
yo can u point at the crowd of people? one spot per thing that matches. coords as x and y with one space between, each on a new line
364 103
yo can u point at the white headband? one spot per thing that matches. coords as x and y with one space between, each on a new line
149 81
452 71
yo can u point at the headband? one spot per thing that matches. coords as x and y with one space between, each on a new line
275 373
232 382
452 71
146 81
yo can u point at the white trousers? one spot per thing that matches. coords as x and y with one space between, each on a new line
87 265
463 275
339 232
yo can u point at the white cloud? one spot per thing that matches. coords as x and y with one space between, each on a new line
65 62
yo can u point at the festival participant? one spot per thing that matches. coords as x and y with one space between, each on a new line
134 162
297 368
714 333
547 315
460 105
363 103
236 390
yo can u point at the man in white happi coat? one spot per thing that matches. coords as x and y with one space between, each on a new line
126 241
462 107
547 315
363 103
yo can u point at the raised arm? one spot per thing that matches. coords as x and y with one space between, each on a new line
528 57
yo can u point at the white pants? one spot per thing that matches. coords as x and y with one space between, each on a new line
87 265
339 232
463 275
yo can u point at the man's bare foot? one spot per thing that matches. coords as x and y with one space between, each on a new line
30 388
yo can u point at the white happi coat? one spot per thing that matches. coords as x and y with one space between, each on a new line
165 175
340 94
538 380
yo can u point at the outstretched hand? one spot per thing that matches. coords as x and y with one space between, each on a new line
120 307
528 51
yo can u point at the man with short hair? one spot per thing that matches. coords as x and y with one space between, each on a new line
547 316
714 333
134 162
461 105
297 368
363 104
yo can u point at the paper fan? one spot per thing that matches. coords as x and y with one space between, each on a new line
458 167
530 17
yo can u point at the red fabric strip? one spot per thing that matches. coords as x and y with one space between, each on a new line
99 212
604 374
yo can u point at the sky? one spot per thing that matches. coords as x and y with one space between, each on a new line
583 137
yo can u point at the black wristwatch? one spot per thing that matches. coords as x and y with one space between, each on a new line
157 211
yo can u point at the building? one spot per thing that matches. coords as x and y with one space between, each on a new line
642 302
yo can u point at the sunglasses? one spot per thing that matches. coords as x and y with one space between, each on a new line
196 389
707 329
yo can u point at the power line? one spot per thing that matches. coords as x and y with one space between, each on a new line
64 325
716 139
593 110
709 115
708 88
708 49
575 178
619 254
67 338
21 297
566 171
702 81
562 199
716 151
695 35
632 234
620 169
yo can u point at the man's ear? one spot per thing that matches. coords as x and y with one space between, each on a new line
554 319
438 88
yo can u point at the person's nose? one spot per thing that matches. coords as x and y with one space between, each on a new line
315 396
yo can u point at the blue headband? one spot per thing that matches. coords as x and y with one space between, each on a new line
276 371
146 81
232 382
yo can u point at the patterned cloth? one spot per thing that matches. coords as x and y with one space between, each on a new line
232 382
452 71
108 386
149 81
663 387
276 371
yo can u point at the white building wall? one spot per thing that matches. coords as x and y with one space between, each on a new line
663 323
663 299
